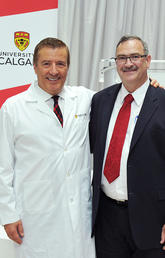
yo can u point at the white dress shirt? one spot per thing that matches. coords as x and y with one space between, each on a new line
118 188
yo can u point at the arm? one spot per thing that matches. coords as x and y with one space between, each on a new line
8 212
163 237
91 127
15 231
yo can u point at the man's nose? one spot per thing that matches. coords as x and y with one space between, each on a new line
53 69
128 61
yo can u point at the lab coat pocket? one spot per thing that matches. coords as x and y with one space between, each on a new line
82 118
79 196
85 184
80 128
38 196
86 199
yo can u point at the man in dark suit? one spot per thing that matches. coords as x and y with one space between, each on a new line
128 143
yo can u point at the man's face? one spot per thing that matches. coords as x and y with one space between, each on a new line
51 69
132 73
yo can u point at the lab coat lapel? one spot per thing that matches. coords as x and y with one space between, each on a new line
44 108
69 106
34 99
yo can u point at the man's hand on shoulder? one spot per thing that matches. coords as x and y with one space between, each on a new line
156 84
163 237
15 231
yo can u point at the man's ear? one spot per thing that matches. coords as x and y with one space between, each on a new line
148 60
35 67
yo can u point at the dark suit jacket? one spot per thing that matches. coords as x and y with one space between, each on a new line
145 166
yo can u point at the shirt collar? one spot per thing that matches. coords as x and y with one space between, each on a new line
138 94
43 95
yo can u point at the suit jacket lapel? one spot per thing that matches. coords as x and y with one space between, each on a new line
148 108
106 110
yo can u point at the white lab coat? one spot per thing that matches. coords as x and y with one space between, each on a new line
45 174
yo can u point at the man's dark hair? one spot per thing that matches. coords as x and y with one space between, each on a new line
51 43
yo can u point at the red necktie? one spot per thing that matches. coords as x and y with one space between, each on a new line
112 163
57 109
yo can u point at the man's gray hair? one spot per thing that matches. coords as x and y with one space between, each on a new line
132 37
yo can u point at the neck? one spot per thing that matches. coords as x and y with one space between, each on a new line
131 87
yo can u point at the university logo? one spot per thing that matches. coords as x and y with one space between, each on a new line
21 40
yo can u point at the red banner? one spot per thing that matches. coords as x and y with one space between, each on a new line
6 93
18 7
24 24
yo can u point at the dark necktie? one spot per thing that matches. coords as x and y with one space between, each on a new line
57 109
112 163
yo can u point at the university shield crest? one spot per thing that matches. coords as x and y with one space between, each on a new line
21 40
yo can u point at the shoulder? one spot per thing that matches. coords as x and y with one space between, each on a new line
78 91
109 90
15 100
157 92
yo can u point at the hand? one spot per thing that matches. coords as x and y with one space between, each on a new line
163 237
15 231
156 84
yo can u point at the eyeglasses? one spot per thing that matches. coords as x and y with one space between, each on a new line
132 58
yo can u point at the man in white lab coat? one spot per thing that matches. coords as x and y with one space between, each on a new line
45 193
